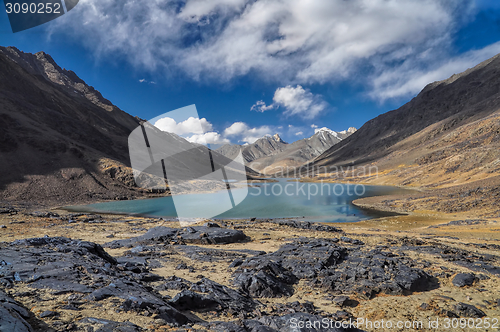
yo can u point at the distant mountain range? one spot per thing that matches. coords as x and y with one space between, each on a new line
270 153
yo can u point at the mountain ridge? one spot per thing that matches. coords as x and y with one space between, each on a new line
462 95
445 142
271 152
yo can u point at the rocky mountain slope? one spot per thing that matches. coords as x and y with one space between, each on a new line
263 147
61 141
300 152
449 104
270 154
448 137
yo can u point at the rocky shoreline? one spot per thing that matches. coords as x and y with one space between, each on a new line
118 273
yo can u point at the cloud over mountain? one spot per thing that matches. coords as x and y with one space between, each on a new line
287 42
295 101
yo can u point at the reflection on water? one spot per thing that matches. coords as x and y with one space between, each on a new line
327 202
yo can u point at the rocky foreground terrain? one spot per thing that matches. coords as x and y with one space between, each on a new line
79 272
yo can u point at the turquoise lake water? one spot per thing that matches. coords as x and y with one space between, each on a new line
326 202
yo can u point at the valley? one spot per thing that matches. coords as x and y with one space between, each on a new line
432 254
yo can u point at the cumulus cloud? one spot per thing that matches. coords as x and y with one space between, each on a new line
300 133
298 101
193 129
289 42
245 134
208 138
295 101
190 126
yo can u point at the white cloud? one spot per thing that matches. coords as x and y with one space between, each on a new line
246 134
314 126
143 80
261 107
300 133
194 130
190 126
236 128
208 138
298 101
407 80
295 101
289 42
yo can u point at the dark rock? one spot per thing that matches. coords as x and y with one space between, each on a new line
305 225
182 266
263 278
463 279
465 258
352 241
271 275
189 300
306 258
465 222
211 224
214 255
48 313
424 306
446 313
290 322
3 226
331 267
482 277
226 327
8 210
293 307
208 295
467 310
66 266
39 214
367 273
197 234
11 321
237 262
345 301
13 316
104 325
175 283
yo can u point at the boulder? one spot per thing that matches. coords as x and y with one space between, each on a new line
463 279
195 234
467 310
13 316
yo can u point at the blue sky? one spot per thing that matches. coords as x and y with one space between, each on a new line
259 67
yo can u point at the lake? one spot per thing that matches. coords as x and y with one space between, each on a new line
325 202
